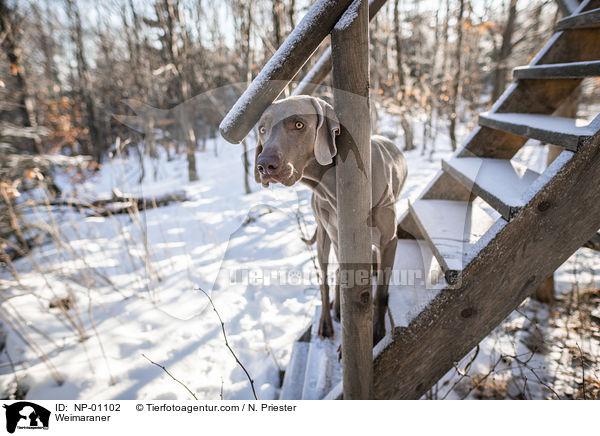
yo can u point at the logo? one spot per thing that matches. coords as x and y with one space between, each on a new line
26 415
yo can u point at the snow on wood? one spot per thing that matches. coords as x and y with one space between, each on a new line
565 132
293 382
453 227
323 370
498 181
415 282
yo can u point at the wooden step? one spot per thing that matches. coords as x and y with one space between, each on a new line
572 70
565 132
293 381
323 369
585 20
416 280
452 228
500 182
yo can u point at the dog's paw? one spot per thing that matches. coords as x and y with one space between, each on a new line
325 327
336 312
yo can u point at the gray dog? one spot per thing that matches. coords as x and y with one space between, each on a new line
296 142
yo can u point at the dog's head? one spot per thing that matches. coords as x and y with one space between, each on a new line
292 132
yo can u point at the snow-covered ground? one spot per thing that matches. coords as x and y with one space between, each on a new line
134 283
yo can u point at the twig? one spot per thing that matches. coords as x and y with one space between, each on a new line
227 343
582 370
170 375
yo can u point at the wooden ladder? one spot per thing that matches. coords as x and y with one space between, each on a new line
494 257
488 231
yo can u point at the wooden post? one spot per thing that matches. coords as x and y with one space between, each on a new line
350 55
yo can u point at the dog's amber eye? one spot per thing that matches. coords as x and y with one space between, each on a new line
262 130
299 125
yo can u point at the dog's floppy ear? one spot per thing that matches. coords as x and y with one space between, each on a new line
328 127
259 149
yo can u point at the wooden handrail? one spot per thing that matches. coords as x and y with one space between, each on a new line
281 68
322 68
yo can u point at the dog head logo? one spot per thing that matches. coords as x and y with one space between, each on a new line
26 415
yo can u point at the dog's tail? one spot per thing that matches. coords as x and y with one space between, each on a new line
310 241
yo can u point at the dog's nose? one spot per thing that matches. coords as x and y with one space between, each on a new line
268 164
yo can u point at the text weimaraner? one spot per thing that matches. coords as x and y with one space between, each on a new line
296 142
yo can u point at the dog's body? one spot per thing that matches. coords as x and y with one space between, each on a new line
297 143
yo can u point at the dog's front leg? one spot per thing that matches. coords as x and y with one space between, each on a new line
323 248
386 256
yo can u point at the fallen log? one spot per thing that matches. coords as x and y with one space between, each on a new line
119 203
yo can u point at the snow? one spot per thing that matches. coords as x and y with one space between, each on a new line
349 16
505 179
453 226
566 126
244 250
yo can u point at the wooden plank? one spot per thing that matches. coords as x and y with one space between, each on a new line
500 182
452 228
568 133
415 281
506 271
322 369
293 380
281 68
575 45
571 70
585 20
350 54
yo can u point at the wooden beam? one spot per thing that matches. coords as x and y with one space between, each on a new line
281 68
585 20
569 70
322 68
350 54
506 271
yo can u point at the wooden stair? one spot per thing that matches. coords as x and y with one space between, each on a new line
488 231
588 19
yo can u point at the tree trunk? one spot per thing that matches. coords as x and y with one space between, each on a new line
97 145
501 68
10 44
458 74
398 41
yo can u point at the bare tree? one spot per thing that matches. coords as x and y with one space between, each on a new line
457 74
9 30
500 69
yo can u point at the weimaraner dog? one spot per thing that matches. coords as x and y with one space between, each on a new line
296 142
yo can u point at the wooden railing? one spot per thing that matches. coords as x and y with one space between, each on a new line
347 21
285 64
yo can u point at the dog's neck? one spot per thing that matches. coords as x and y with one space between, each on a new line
321 179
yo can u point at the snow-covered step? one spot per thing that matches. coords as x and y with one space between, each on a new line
585 20
500 182
416 280
323 369
573 70
565 132
293 381
452 228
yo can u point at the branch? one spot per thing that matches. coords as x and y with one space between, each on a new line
170 375
227 343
